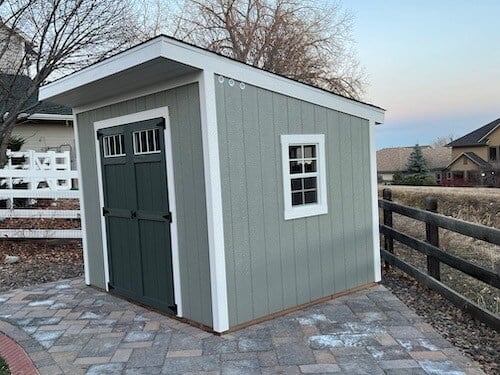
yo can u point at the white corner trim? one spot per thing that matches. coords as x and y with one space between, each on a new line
374 195
214 202
48 117
134 117
207 61
295 212
83 222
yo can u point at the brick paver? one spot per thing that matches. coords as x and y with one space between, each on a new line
69 328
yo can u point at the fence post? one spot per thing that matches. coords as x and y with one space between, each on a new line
388 241
432 237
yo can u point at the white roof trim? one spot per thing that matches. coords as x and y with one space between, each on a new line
50 116
163 47
489 133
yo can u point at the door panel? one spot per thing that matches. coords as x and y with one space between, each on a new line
137 216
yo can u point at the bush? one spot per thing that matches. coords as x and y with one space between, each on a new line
4 369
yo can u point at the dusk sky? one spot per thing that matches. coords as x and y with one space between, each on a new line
433 65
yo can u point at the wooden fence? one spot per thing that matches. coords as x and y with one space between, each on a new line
31 175
435 255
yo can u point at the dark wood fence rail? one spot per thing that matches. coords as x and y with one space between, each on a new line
435 255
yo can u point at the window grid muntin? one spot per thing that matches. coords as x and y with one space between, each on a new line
299 151
113 145
146 141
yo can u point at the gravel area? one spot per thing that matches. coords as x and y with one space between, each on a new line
40 261
474 339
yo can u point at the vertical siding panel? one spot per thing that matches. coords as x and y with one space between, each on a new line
312 223
348 199
271 211
335 178
255 200
285 230
359 200
239 208
226 199
299 226
186 175
200 203
325 244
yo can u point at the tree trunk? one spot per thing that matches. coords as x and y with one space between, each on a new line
5 134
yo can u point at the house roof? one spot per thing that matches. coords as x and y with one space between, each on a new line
477 137
476 159
164 58
394 159
20 85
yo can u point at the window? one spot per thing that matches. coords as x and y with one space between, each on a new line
493 154
147 141
438 177
304 175
466 161
113 145
449 176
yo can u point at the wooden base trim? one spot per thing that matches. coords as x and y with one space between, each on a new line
298 307
251 322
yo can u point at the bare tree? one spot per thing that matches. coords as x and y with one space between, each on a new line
61 35
309 41
443 140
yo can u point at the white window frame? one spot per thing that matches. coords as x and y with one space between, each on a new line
106 144
311 209
139 146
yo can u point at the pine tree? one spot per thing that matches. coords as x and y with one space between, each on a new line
416 167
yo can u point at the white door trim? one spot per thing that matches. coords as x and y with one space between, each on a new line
122 120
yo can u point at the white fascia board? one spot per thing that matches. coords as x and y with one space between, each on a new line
48 116
208 61
115 64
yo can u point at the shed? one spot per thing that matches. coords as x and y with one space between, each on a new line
217 191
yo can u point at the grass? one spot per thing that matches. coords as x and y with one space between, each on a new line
470 204
4 369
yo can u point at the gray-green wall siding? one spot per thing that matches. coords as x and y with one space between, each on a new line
273 264
184 110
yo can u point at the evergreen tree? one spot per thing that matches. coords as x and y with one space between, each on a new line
416 167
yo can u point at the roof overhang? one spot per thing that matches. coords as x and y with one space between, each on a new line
50 117
164 58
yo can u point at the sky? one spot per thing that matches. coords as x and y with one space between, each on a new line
433 65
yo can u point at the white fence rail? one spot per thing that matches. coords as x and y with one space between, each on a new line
38 175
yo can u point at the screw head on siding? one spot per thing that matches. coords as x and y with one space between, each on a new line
231 82
221 79
242 86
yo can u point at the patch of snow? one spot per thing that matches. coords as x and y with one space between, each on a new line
45 302
325 341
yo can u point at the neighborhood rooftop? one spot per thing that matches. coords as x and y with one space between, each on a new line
476 137
395 159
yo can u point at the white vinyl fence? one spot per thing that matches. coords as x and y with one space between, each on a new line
38 175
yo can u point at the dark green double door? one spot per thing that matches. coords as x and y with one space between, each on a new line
137 214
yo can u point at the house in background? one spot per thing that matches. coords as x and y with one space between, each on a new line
43 126
476 157
394 159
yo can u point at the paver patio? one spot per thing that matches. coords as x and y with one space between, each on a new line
67 327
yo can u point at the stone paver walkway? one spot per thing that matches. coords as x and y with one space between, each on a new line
69 328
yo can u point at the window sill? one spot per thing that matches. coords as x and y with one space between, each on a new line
305 211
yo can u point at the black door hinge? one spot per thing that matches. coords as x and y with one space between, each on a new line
110 286
104 211
173 308
168 217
